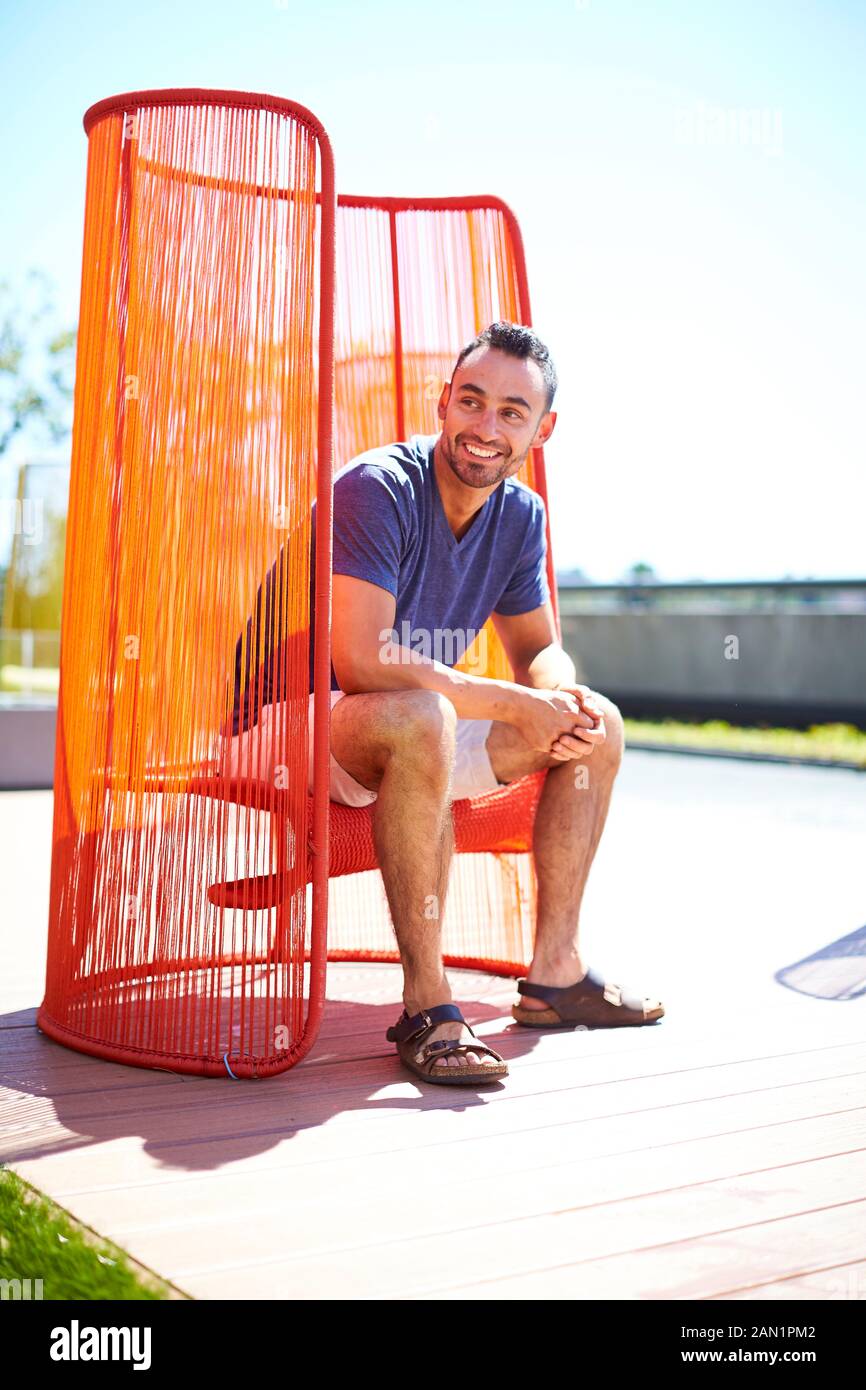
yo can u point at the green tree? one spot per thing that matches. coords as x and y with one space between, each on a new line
641 573
37 364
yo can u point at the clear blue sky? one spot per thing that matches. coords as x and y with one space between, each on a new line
690 178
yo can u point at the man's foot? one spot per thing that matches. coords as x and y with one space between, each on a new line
423 1054
451 1029
590 1001
456 1059
560 976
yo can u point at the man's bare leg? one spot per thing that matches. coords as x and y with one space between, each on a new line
569 821
400 744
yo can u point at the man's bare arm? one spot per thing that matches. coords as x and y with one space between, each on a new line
533 648
365 659
551 669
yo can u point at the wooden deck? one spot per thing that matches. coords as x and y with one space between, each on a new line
716 1155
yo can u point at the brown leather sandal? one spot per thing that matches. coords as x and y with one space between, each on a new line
591 1003
408 1032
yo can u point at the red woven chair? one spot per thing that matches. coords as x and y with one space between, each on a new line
191 914
416 279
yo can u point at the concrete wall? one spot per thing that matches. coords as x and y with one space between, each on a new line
806 661
27 746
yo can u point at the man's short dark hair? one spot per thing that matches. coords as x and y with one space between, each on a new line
519 341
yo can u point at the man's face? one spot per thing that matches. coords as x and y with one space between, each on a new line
493 413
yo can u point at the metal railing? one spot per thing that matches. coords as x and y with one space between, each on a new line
731 596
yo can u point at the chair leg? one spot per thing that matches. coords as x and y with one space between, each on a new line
289 875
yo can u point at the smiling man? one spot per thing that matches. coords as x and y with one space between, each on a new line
432 537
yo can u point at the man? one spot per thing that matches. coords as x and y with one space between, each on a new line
431 537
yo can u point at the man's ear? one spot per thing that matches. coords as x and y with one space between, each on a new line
444 398
545 429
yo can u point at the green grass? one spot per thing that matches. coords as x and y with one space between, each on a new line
39 1241
827 742
41 680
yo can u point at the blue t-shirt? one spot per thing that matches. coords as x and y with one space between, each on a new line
390 529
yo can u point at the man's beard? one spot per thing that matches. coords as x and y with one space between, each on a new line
479 473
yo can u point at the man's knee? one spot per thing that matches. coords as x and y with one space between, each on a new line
614 742
414 726
419 725
422 731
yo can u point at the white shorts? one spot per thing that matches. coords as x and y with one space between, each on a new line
251 753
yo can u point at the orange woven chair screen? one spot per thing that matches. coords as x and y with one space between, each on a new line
190 912
416 280
202 432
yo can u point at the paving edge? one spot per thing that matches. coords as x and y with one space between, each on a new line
743 756
87 1233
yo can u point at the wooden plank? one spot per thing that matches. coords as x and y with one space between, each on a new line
519 1156
220 1110
266 1210
197 1139
596 1253
41 1054
304 1163
702 1268
324 1206
838 1282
